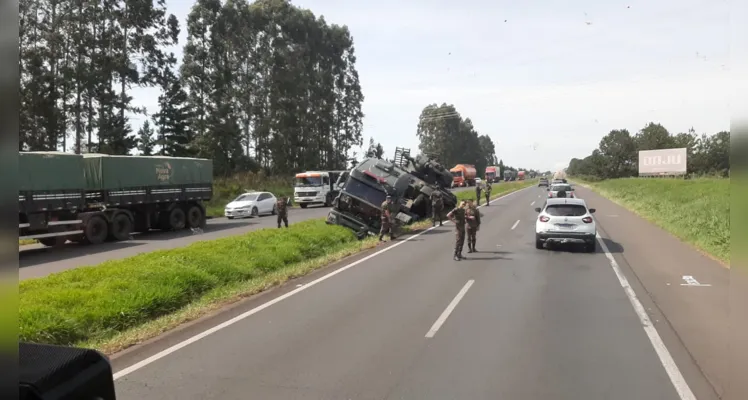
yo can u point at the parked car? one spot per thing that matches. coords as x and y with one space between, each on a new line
566 220
251 204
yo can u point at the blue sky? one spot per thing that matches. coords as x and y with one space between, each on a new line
546 80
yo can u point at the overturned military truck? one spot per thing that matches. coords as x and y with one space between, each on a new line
410 182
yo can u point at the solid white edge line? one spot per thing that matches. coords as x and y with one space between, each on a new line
193 339
515 224
447 311
677 379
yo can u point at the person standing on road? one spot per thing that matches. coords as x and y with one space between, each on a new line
388 213
488 193
457 216
281 207
472 224
478 187
437 207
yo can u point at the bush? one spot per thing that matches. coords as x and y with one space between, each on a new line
96 303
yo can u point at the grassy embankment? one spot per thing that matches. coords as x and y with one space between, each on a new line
696 211
122 302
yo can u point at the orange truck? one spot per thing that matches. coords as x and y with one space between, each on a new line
492 174
463 175
521 175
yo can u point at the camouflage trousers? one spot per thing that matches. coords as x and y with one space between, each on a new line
282 217
436 214
477 196
459 240
386 228
488 197
471 236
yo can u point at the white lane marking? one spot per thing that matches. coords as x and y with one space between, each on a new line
533 203
680 384
440 321
691 281
193 339
515 224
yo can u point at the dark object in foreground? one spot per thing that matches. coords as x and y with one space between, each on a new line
64 373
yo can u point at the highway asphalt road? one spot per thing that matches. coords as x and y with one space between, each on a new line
37 260
408 322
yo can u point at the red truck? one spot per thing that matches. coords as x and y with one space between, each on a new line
492 174
521 175
463 175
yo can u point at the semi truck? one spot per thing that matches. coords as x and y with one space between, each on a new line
409 180
521 175
463 175
92 198
510 175
316 187
493 174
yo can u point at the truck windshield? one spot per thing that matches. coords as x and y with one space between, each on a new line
457 173
309 181
365 192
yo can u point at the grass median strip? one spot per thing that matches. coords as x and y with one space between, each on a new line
696 211
119 303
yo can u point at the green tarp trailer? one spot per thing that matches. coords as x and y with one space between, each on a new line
49 171
106 172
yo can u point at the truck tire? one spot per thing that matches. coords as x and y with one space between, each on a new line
96 230
177 219
302 205
194 217
120 227
53 241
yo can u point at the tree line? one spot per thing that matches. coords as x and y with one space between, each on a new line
261 85
617 154
446 136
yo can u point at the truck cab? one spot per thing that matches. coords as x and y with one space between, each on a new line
316 187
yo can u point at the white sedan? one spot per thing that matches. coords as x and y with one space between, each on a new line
251 204
566 220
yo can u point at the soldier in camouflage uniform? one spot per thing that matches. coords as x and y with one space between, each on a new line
488 193
478 187
458 217
472 224
437 207
387 219
281 207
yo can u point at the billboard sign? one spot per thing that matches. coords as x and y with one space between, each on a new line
662 162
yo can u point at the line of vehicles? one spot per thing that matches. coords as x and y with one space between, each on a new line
94 198
564 219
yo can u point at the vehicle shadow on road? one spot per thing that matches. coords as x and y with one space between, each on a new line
613 247
34 255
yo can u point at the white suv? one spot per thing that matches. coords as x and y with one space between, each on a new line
566 220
